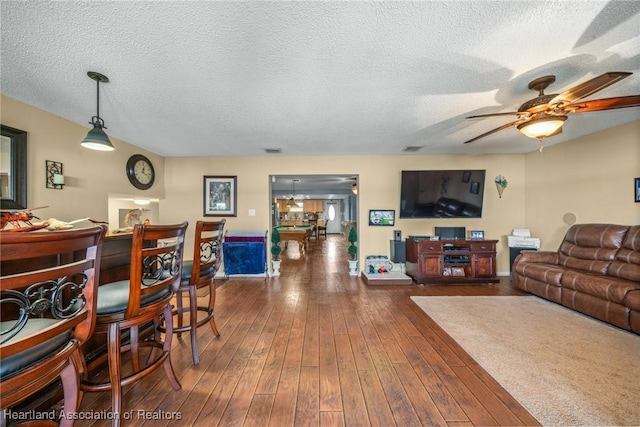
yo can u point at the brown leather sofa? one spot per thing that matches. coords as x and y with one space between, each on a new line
596 271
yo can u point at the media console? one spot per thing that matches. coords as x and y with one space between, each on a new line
442 261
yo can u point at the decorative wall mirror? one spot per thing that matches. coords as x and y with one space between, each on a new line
13 168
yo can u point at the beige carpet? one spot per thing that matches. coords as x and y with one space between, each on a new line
564 367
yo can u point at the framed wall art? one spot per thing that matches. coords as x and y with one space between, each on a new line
220 196
382 217
476 234
636 189
475 187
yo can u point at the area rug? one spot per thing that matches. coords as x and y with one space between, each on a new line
563 367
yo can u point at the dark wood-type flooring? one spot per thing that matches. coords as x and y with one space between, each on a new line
316 347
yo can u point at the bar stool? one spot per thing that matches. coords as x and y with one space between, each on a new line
207 249
48 290
156 266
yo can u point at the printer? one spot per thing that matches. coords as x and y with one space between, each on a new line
521 238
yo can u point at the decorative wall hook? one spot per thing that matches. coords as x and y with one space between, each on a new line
501 184
55 178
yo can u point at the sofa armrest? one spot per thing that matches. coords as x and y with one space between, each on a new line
546 257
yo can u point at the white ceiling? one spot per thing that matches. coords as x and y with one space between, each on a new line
205 78
303 187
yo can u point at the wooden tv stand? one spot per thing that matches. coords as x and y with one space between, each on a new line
449 261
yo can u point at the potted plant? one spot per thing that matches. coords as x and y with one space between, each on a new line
275 251
501 184
353 252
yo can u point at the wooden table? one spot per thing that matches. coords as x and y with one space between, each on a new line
300 234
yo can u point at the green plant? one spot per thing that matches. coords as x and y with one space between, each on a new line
275 248
352 249
501 181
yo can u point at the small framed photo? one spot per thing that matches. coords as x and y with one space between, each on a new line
382 217
476 234
475 187
220 196
466 176
636 188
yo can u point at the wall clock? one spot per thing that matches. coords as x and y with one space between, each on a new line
140 172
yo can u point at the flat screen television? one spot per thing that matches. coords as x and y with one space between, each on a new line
382 217
442 193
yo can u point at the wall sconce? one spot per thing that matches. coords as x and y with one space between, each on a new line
55 178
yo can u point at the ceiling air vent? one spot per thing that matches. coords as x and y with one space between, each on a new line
412 148
273 150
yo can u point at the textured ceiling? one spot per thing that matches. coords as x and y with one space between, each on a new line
204 78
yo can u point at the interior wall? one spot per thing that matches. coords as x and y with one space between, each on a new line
590 178
90 176
379 188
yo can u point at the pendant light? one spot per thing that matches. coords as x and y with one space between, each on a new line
292 200
97 139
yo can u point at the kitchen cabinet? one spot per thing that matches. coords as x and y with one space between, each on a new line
282 206
312 205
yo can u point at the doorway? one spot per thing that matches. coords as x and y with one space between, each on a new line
301 197
332 215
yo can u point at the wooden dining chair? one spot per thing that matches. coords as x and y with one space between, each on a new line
48 290
129 305
322 229
197 274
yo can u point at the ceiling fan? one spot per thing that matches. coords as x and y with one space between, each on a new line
544 115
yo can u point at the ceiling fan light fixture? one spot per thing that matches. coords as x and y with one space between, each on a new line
97 138
542 127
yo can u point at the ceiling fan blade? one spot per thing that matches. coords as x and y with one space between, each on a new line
604 104
508 125
509 113
589 87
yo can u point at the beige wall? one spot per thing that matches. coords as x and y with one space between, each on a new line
90 176
589 169
379 188
590 177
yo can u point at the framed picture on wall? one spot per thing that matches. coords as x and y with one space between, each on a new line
220 196
636 188
382 217
476 234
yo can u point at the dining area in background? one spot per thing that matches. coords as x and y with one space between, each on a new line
300 234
